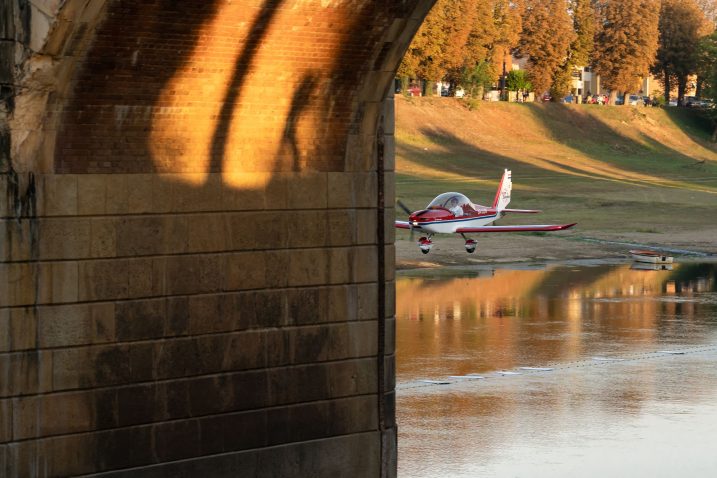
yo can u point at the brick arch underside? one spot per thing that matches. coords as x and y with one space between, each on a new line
206 284
207 87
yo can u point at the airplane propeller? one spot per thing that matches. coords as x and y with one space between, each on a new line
407 211
403 206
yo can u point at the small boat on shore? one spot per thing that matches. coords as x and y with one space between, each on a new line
650 257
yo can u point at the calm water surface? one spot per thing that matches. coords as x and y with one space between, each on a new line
650 413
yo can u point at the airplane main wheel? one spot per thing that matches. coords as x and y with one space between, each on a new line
425 245
471 246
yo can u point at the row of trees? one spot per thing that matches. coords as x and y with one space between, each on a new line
467 41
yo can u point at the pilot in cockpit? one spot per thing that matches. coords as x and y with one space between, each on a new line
455 207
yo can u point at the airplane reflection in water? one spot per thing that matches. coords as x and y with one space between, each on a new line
520 317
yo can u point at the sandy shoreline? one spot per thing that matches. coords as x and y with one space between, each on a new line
518 248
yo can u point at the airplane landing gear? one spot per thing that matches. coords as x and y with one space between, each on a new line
471 245
425 244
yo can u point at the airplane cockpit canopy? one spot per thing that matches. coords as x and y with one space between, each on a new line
449 200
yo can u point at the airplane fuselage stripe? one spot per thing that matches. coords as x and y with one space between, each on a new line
449 221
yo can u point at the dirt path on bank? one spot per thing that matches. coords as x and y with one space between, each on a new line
517 248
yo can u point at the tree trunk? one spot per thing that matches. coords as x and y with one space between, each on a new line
405 82
681 87
613 97
668 87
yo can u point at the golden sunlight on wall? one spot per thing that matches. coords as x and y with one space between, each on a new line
249 99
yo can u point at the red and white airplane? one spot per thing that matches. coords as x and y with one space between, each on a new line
455 213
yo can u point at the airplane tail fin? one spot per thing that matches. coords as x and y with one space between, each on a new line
502 196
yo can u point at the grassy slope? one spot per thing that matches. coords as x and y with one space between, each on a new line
614 170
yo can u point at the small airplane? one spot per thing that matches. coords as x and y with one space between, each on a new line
454 213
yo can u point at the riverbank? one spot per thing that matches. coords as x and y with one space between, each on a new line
517 248
628 176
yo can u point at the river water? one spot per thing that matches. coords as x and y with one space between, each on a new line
588 369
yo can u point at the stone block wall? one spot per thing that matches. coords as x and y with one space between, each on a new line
196 238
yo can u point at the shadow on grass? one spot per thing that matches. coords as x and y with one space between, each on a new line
604 153
597 140
694 123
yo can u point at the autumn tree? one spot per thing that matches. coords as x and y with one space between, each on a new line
455 36
562 82
547 34
483 35
508 23
478 72
583 18
626 42
459 18
584 25
424 57
496 31
462 40
681 26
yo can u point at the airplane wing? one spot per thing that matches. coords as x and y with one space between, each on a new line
526 228
522 211
403 225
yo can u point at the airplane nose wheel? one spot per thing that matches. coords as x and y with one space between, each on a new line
425 244
471 245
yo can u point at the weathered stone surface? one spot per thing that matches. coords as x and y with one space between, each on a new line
5 423
351 456
107 450
23 373
141 404
77 324
18 329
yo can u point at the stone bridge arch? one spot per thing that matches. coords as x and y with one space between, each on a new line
196 248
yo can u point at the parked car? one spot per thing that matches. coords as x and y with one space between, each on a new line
699 103
414 90
458 92
635 100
